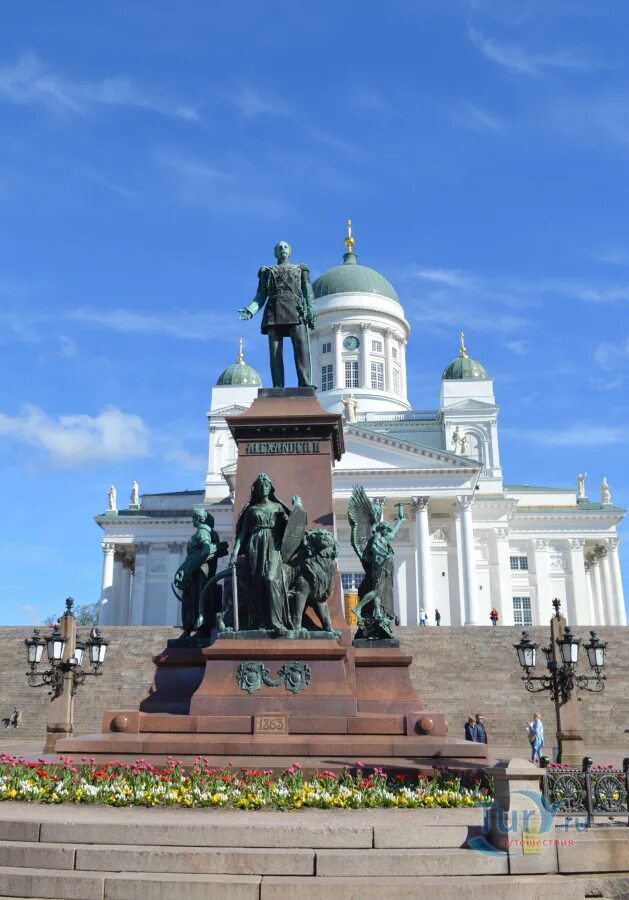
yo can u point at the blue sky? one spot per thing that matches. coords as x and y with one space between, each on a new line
151 155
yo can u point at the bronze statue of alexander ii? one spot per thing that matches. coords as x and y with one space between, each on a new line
289 312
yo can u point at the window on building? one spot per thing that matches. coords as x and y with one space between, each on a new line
326 347
396 381
351 580
519 563
377 376
394 352
351 373
327 377
522 614
376 346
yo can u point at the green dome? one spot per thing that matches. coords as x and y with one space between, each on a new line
352 278
463 368
239 373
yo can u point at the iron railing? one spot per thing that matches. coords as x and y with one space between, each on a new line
590 790
412 415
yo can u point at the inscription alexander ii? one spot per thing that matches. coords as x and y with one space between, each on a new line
279 448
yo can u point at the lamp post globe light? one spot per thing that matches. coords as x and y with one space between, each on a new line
562 681
65 672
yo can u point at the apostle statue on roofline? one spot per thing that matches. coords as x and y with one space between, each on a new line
581 485
286 293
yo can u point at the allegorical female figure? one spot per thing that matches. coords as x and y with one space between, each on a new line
259 532
203 551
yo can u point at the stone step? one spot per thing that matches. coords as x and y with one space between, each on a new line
507 887
89 885
408 863
67 885
250 861
175 860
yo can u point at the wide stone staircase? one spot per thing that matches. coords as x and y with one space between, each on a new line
95 853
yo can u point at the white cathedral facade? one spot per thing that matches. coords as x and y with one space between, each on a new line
471 542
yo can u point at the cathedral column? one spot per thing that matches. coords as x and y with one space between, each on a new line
422 543
107 582
590 595
173 606
124 606
339 380
500 576
388 357
541 580
595 574
607 600
365 355
576 585
618 603
470 588
402 354
138 585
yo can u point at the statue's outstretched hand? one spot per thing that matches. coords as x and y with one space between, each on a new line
245 313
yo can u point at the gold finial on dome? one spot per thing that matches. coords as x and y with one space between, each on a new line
240 358
349 240
462 350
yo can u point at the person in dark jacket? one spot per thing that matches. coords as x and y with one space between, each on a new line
470 729
481 733
437 617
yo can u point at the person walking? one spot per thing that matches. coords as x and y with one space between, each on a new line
481 732
437 617
536 737
494 616
422 617
470 729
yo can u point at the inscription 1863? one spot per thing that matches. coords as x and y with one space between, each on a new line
271 724
278 448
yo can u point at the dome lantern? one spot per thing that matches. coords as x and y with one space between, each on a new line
239 374
464 368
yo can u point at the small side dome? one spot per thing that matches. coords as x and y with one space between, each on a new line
350 277
239 373
463 368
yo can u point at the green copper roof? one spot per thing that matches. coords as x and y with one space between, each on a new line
463 368
239 373
352 278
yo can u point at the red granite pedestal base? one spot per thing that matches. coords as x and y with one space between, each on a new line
358 704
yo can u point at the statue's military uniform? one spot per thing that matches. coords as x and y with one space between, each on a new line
282 286
284 316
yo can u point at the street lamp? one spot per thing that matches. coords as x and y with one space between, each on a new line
561 680
65 670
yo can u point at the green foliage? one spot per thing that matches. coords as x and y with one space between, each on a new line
84 615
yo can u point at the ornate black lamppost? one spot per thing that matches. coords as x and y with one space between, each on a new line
65 671
562 681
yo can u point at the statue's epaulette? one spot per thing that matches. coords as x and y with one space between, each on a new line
262 271
304 267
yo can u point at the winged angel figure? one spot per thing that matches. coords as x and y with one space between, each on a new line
372 542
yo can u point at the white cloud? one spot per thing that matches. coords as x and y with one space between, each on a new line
29 82
251 103
80 439
30 613
480 120
581 434
610 356
520 348
517 59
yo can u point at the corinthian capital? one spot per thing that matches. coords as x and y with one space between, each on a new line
420 503
576 543
464 501
612 543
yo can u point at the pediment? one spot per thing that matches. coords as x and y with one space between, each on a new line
366 449
471 405
232 410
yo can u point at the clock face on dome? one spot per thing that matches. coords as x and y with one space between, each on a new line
351 342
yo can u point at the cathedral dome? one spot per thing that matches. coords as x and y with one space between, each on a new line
239 373
351 278
463 368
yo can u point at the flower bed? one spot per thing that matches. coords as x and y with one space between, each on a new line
141 784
